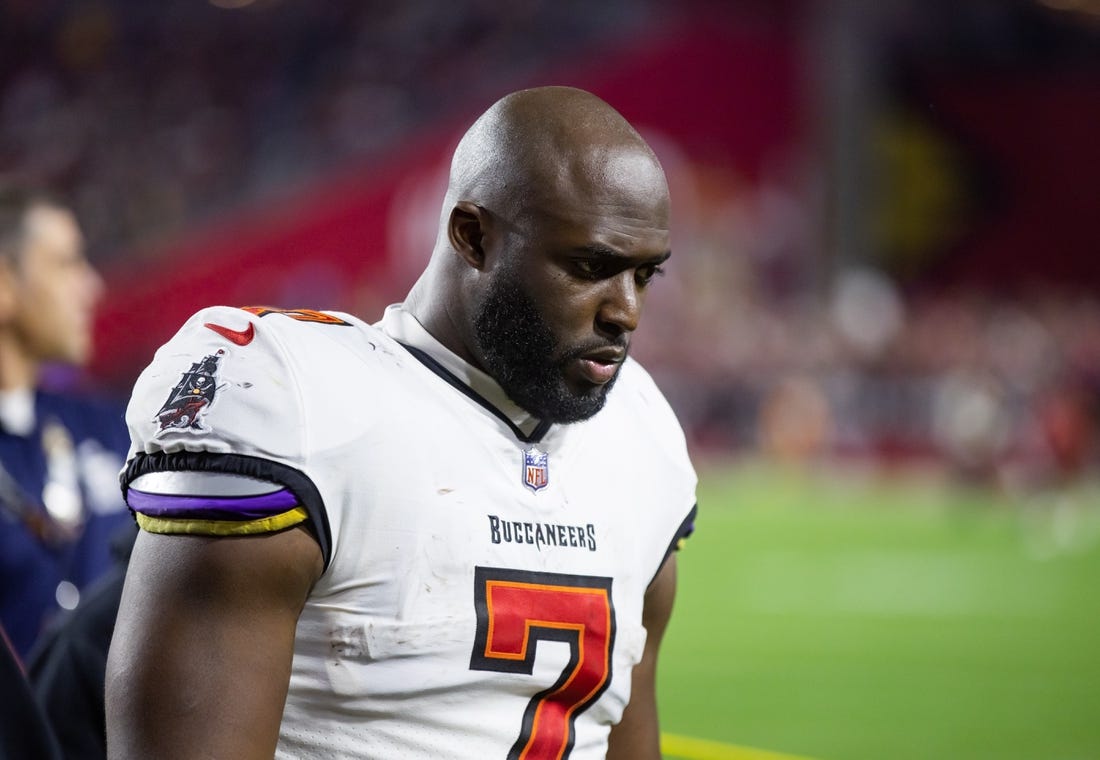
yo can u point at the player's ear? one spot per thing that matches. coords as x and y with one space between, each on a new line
466 231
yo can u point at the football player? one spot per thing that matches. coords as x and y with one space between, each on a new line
447 534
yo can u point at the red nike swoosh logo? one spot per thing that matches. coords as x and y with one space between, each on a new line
240 337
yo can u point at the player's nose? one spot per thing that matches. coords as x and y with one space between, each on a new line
621 304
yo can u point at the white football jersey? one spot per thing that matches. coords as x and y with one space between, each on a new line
484 573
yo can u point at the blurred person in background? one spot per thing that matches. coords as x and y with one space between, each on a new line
59 454
24 730
443 535
67 666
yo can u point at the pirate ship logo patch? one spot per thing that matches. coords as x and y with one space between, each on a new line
536 469
190 400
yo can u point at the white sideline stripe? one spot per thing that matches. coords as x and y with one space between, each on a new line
690 748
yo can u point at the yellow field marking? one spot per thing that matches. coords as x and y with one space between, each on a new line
689 748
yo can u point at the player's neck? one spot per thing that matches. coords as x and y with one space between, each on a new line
433 315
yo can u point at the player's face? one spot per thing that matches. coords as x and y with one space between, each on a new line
58 289
555 323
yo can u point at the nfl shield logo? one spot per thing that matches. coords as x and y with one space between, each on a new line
535 470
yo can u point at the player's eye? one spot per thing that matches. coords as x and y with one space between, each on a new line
591 268
643 275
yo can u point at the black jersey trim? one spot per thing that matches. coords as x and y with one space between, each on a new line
687 527
428 361
239 464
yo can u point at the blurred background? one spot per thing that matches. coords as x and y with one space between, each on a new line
880 327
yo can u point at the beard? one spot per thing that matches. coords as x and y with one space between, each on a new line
522 355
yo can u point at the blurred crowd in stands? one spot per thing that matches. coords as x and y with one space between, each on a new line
761 351
156 117
1004 390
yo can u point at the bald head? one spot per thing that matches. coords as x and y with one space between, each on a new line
534 146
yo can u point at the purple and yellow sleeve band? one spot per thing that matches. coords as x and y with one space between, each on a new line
216 515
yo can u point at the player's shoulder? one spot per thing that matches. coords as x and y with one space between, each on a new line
638 402
243 326
233 378
636 386
300 341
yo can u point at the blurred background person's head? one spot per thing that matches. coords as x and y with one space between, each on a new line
48 289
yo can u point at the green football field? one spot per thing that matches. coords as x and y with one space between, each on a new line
854 616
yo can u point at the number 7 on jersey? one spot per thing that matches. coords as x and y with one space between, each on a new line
515 610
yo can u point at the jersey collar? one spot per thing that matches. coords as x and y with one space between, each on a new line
403 327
